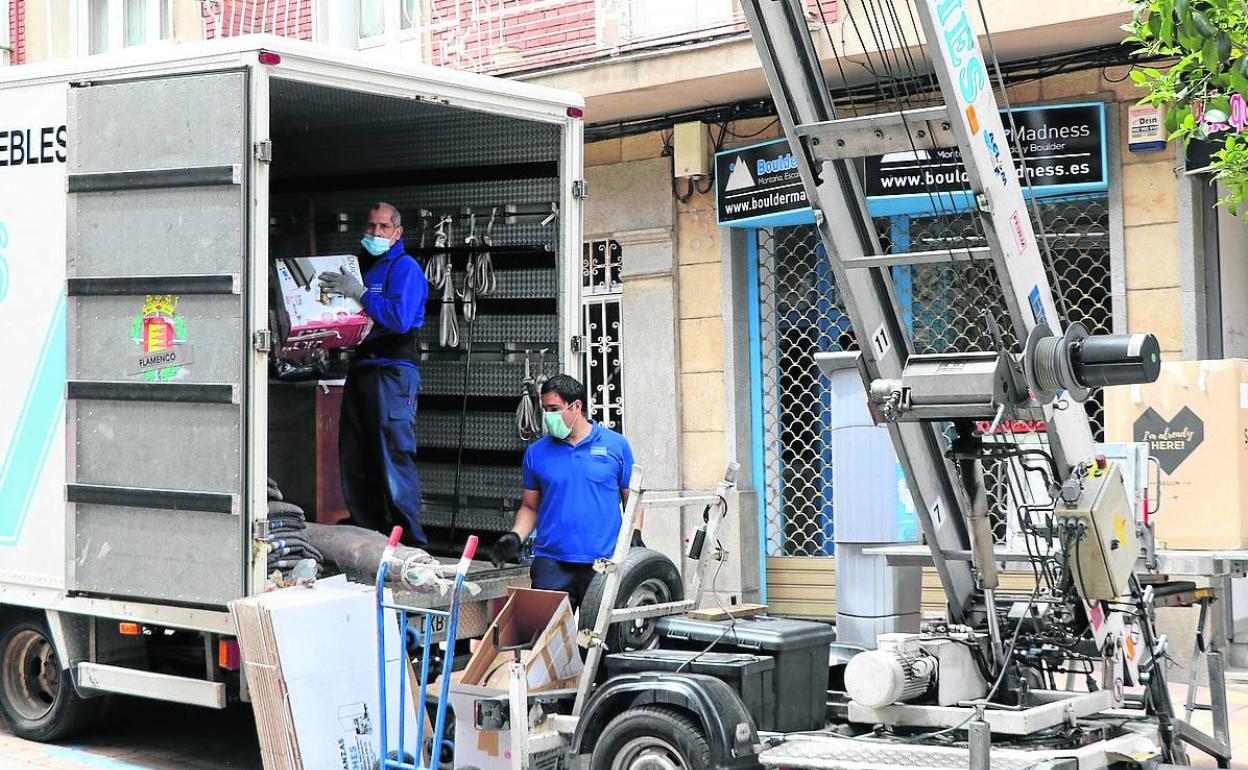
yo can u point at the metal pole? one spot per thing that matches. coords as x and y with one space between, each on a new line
383 567
1215 664
518 701
610 593
979 737
448 662
781 34
712 531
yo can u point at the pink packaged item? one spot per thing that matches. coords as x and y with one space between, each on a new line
310 319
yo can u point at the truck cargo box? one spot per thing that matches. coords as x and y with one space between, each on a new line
139 230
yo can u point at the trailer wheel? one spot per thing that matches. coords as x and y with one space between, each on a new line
646 577
37 697
651 738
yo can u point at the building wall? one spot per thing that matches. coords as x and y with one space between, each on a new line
508 39
709 409
1150 214
515 36
46 32
188 20
17 31
287 18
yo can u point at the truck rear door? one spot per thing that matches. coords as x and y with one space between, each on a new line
159 355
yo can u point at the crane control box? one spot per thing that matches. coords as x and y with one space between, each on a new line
1098 531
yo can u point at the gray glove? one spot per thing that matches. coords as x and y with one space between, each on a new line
342 283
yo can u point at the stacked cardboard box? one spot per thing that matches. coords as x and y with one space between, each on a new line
542 619
310 658
1195 419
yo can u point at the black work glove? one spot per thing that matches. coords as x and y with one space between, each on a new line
637 541
506 549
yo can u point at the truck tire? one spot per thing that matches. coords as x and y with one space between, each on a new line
37 697
651 736
646 577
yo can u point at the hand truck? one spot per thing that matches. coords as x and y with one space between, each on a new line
400 758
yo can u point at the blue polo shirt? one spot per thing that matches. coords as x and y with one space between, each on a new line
578 519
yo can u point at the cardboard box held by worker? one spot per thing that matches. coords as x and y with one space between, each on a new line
1195 420
309 319
310 658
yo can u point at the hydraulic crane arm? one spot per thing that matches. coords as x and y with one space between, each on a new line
780 32
954 521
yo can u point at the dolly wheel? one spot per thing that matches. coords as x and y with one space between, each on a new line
37 698
651 738
646 578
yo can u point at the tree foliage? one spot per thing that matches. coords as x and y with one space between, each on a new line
1206 87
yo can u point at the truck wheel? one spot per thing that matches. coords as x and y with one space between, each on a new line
646 577
37 697
651 738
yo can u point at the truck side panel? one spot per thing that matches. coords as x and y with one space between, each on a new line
33 156
158 337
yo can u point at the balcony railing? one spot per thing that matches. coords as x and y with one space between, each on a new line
231 18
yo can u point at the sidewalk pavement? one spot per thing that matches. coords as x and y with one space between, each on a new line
145 735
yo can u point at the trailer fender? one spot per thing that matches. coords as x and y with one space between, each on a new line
728 726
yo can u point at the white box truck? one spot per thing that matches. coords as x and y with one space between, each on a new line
143 198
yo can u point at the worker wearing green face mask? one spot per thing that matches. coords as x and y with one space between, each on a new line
575 479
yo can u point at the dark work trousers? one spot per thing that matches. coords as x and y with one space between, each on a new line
377 449
553 575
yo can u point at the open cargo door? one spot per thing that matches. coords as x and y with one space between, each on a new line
158 348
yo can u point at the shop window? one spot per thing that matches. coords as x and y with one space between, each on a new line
601 292
800 314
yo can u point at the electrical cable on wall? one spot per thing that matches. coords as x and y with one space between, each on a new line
864 94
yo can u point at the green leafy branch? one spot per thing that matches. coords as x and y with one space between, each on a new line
1207 42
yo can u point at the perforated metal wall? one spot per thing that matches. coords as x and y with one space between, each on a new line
335 152
801 314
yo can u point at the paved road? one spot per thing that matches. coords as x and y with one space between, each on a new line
144 735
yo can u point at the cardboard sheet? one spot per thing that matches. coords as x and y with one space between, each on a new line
310 658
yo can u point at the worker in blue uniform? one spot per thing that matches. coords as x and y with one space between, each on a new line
377 428
575 480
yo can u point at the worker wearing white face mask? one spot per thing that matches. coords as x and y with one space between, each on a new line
575 479
377 430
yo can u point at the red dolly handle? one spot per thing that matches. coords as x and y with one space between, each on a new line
470 550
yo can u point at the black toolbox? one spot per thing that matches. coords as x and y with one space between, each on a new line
800 647
750 675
